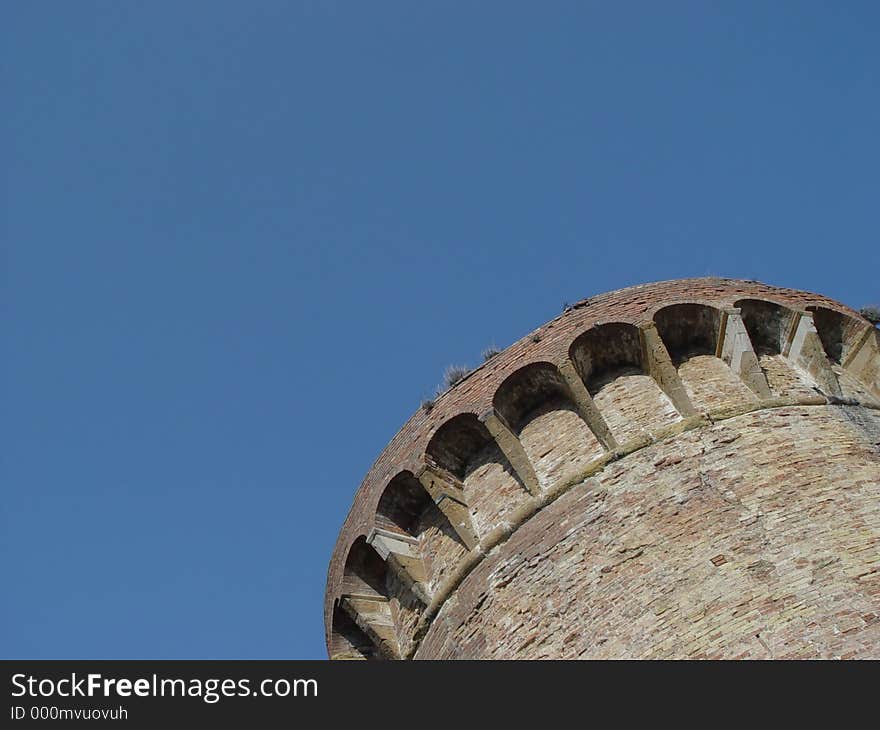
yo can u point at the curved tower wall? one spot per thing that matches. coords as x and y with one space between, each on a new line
681 469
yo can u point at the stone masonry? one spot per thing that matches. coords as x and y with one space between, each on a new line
686 469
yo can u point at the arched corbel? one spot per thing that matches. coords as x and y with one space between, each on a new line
863 360
401 553
447 492
585 405
512 449
372 614
735 348
804 348
364 597
659 366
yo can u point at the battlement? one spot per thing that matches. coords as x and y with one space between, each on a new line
607 379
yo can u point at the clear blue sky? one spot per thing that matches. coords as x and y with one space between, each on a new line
240 242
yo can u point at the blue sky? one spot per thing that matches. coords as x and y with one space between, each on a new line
241 241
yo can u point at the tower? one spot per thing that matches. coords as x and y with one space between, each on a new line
681 469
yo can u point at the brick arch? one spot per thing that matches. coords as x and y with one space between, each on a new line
527 389
365 598
347 639
838 332
492 488
606 350
610 360
457 442
691 333
551 343
365 572
542 411
769 324
770 327
402 504
417 539
689 329
713 303
852 347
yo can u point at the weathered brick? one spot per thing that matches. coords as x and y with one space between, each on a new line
750 531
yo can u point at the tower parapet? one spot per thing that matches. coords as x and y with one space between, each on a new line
558 495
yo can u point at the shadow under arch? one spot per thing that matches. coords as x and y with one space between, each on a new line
691 333
492 488
769 324
402 504
853 348
527 389
348 640
610 360
365 572
424 543
457 442
365 597
606 351
541 410
770 327
689 329
837 331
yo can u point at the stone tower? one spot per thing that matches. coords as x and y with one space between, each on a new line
682 469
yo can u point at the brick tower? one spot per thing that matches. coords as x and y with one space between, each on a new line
682 469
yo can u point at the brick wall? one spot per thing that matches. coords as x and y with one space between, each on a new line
756 537
531 486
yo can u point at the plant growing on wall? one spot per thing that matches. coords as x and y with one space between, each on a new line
871 313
